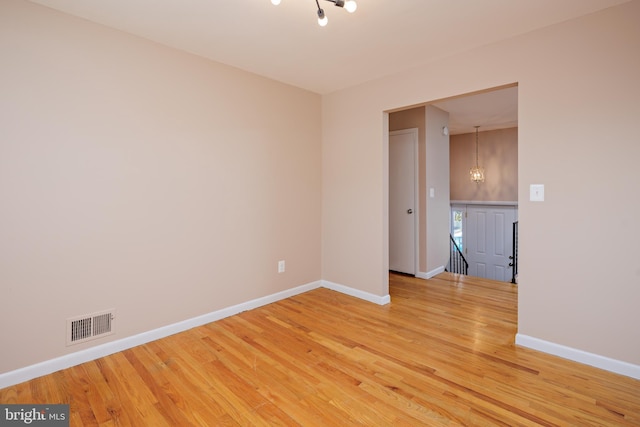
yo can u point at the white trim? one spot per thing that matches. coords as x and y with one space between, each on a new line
416 202
602 362
484 203
376 299
27 373
430 274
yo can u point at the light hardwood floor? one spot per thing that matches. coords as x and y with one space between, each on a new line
441 353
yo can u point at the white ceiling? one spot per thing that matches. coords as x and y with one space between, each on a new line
497 109
285 42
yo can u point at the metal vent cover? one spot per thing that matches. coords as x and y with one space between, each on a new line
90 326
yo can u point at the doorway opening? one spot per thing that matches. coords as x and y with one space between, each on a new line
443 178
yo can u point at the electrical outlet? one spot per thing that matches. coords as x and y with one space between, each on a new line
281 266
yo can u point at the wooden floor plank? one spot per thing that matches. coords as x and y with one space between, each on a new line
442 353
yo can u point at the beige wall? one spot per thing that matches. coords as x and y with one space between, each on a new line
578 106
438 206
498 155
140 178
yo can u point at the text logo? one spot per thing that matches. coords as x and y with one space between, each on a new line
34 415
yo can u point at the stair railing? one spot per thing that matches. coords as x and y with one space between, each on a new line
457 262
514 257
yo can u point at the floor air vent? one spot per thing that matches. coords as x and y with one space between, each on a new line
90 326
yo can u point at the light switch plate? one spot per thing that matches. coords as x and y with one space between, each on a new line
536 193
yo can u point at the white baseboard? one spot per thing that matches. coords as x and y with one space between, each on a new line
591 359
430 274
49 366
376 299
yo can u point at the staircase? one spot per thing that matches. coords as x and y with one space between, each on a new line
458 264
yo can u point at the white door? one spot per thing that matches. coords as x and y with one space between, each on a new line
489 241
403 147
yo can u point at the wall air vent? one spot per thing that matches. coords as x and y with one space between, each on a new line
90 326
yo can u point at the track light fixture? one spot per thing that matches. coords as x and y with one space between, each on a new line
349 5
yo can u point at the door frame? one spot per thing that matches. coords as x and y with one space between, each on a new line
416 195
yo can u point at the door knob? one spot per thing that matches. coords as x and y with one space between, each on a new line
409 211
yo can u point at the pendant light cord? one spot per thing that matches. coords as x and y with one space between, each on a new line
476 143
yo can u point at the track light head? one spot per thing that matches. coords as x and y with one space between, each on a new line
351 6
322 19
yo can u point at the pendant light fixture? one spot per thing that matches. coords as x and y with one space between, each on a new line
349 5
476 173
